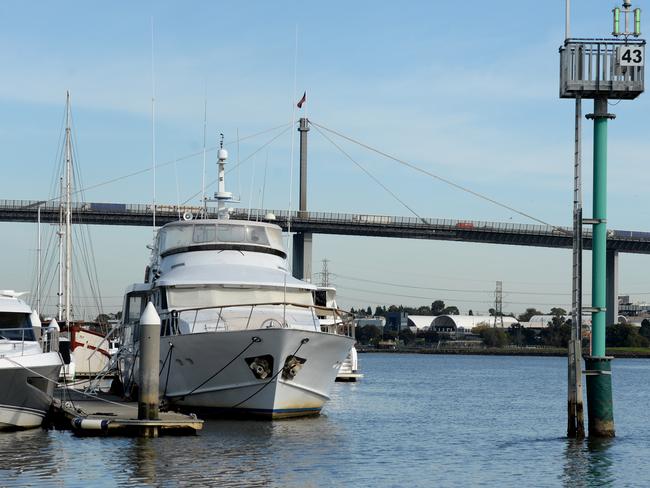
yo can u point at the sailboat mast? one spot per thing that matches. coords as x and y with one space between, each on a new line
59 305
68 195
38 264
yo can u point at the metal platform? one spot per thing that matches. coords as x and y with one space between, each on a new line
108 415
602 68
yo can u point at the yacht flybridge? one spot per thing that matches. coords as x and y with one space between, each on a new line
239 334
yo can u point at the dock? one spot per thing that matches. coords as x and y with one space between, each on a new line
107 415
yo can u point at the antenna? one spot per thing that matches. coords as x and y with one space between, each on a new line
153 127
205 125
567 20
293 123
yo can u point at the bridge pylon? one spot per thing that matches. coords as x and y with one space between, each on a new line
302 241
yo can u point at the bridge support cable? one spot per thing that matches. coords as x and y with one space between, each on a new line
439 178
375 179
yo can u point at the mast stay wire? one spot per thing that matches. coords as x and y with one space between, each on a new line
440 178
84 236
273 139
168 163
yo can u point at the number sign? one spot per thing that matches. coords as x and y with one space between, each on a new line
631 55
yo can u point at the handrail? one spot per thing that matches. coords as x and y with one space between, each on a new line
366 220
343 322
49 340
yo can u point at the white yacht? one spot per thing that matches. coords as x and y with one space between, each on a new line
325 298
28 373
239 334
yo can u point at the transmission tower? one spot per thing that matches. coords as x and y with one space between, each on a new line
324 275
498 303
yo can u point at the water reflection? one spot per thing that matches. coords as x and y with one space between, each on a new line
238 453
413 421
588 463
26 451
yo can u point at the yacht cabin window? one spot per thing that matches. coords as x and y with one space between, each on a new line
204 233
135 305
16 326
183 235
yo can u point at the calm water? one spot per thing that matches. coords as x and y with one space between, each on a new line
414 420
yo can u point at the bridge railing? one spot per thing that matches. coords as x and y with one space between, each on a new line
282 217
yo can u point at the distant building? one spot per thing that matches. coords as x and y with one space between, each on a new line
378 322
397 321
542 321
420 322
460 325
629 309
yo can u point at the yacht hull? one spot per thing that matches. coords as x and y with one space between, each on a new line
212 373
26 395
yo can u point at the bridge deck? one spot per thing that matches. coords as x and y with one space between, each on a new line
335 223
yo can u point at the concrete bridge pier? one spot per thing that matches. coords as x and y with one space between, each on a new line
612 287
302 256
302 241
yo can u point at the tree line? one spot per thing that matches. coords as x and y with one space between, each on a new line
556 333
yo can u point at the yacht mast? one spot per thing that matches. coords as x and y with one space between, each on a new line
68 194
222 196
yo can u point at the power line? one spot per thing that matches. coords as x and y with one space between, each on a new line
460 290
444 299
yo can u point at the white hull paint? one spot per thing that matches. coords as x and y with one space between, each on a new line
12 417
189 375
90 351
26 394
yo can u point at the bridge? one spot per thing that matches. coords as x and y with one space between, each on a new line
331 223
305 223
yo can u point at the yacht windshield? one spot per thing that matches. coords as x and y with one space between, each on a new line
184 235
16 326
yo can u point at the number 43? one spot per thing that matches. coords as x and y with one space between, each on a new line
632 56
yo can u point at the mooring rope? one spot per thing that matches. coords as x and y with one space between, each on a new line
169 368
65 387
162 368
302 343
254 340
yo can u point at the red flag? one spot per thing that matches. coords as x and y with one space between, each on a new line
302 100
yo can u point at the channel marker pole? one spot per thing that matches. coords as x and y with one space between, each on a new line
600 404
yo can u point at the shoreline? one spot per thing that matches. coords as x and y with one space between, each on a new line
503 351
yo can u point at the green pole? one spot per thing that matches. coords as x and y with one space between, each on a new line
599 246
598 366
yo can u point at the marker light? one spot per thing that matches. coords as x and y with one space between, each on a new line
637 22
617 22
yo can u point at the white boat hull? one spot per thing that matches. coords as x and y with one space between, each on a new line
90 351
26 396
208 372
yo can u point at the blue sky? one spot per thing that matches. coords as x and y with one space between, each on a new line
469 93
